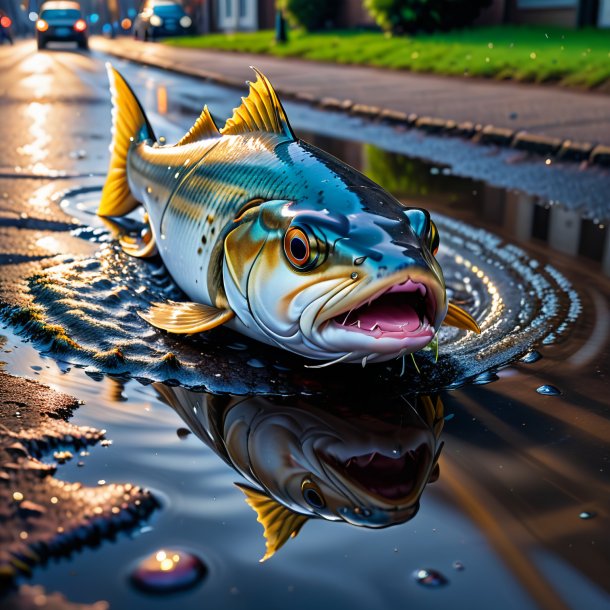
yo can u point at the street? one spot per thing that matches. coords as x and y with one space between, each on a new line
511 225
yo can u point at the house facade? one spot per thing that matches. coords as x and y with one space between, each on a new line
250 15
568 13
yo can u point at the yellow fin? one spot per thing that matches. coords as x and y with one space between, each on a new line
433 413
129 124
143 246
185 318
203 129
261 111
280 522
459 318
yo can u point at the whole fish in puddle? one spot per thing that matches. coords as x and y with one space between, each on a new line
275 238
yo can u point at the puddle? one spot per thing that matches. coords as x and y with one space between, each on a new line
516 513
84 309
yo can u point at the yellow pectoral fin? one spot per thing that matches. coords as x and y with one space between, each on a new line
461 319
185 318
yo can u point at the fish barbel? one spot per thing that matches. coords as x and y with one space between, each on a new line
275 238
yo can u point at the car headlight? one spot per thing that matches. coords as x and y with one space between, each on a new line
186 21
156 21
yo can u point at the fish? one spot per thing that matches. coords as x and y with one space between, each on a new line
348 460
274 238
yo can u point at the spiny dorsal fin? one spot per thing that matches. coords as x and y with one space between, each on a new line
280 523
260 111
185 318
459 318
203 129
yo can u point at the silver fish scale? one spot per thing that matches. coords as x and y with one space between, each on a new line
191 192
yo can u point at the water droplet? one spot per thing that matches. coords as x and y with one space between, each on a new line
548 390
430 578
168 570
587 515
531 357
485 377
256 363
458 565
354 275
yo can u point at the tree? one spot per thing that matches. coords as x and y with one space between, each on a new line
410 16
310 15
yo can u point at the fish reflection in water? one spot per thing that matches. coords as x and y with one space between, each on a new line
362 464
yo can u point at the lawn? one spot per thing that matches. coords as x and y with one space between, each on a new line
524 53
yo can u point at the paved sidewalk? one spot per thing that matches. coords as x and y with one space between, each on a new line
555 113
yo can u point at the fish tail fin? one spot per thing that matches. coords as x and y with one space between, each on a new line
129 124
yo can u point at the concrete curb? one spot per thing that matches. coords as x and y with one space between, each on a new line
565 150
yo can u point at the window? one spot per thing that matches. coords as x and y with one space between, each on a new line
540 226
592 240
547 3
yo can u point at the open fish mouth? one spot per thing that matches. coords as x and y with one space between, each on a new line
401 311
393 479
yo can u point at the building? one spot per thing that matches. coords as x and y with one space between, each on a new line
250 15
568 13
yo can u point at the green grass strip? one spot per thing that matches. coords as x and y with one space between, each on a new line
578 58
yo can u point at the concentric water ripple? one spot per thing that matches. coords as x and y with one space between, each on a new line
85 313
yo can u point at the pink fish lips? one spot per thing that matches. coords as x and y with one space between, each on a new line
402 311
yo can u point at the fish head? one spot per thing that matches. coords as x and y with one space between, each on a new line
364 471
337 282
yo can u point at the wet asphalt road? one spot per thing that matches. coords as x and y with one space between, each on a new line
55 127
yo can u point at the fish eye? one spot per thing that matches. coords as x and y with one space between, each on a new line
312 494
298 248
433 238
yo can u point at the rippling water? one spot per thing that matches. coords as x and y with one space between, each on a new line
517 301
